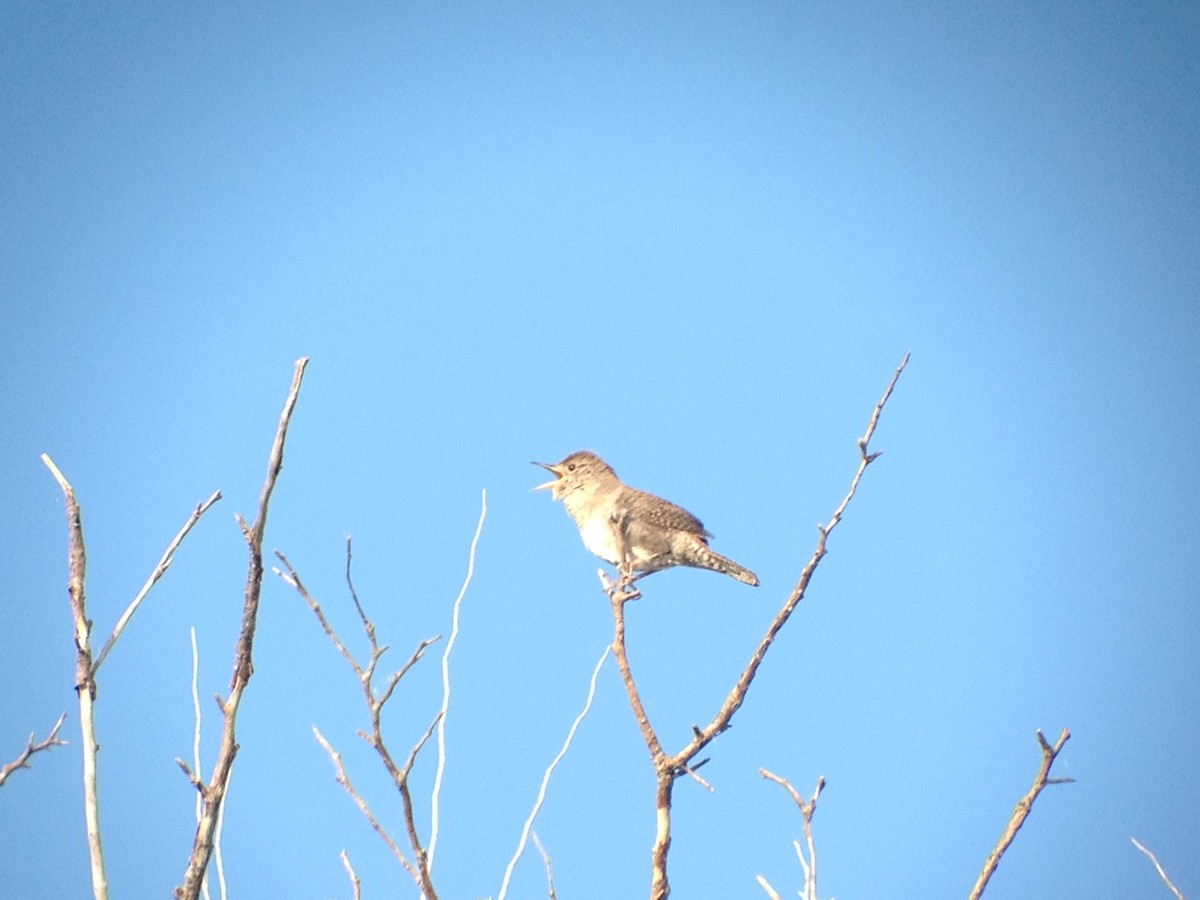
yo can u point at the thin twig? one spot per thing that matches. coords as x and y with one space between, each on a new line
417 868
738 695
85 684
668 768
160 570
355 883
243 666
537 805
807 809
1162 873
766 886
33 746
1022 810
434 818
425 878
197 718
344 780
537 842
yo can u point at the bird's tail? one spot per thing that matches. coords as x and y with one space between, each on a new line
724 564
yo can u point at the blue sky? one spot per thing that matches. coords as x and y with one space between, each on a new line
697 241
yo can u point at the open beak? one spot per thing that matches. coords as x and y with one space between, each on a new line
548 484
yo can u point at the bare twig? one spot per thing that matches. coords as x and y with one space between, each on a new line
738 695
1162 873
425 881
355 883
766 886
160 570
527 830
537 842
32 746
86 666
243 667
196 763
669 767
807 809
85 685
434 818
344 780
1023 807
197 718
418 867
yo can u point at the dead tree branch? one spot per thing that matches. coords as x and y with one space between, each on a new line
549 867
807 809
527 830
1162 873
160 570
86 665
670 767
32 746
355 882
1023 808
435 806
215 790
418 867
85 685
344 780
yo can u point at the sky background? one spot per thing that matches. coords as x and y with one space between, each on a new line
697 239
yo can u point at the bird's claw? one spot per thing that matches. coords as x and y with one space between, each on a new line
620 590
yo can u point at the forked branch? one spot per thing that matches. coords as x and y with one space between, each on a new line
32 746
807 809
418 866
213 793
1023 808
669 767
86 665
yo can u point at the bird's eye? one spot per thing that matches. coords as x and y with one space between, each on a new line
571 467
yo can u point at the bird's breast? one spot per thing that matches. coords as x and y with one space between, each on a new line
600 538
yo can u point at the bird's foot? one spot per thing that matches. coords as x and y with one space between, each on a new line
620 590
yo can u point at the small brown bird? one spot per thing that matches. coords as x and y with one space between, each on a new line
623 525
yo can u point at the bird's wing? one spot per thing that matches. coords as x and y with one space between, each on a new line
665 514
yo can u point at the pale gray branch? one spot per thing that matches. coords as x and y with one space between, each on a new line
1162 873
32 746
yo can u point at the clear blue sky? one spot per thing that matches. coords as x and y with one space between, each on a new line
697 240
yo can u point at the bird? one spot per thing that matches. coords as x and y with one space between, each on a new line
631 529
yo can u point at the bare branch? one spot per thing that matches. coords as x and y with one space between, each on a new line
197 719
344 780
191 776
1161 871
85 684
355 883
1022 810
657 754
738 695
537 842
243 667
668 768
425 879
160 570
418 868
537 805
766 886
292 578
441 730
33 746
807 809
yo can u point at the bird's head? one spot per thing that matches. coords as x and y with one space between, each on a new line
581 469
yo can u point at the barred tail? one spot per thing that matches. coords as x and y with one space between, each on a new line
727 566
